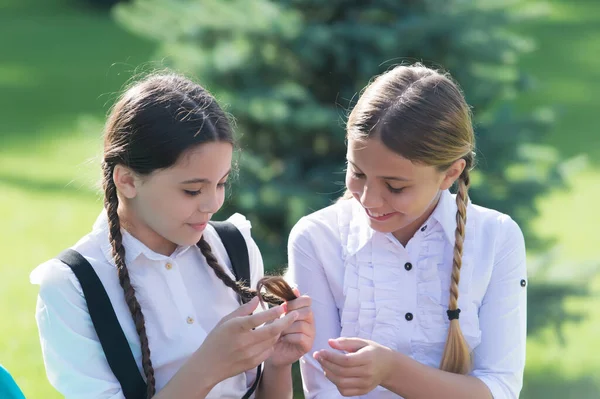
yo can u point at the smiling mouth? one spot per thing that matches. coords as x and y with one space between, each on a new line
380 216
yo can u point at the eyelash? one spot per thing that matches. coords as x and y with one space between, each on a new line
391 189
198 192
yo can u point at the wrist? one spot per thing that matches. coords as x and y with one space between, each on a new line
198 375
393 361
277 368
187 382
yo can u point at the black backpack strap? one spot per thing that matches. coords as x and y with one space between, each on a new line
111 335
237 250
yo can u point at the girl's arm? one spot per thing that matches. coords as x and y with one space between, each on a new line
294 342
74 359
76 365
276 382
307 271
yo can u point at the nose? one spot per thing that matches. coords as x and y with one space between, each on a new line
210 202
370 197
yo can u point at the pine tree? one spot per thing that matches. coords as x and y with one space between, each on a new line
290 70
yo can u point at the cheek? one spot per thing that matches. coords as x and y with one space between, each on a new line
355 186
221 197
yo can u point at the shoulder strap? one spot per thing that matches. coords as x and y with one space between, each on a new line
111 335
237 250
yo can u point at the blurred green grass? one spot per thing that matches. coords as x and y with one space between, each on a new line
64 62
61 64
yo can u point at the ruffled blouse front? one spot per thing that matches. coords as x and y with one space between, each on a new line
365 284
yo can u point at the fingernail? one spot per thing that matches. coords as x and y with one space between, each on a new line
285 307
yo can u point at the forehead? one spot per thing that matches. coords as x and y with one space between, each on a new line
209 160
371 156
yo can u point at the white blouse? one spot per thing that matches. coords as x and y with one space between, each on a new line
365 284
181 297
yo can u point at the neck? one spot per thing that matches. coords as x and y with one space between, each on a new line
407 232
142 232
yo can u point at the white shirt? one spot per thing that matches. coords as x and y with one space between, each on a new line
181 297
365 284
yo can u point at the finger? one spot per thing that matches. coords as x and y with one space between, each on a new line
348 386
299 326
244 310
277 327
259 353
301 342
348 344
341 359
304 314
257 319
296 291
300 302
332 368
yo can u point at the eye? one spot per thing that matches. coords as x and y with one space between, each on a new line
223 184
192 193
356 175
395 190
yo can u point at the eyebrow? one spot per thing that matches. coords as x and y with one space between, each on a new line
398 178
203 180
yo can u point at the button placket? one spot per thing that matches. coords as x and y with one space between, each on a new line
177 286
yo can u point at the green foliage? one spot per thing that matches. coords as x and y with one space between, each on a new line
290 70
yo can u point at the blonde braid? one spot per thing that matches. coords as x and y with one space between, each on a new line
457 356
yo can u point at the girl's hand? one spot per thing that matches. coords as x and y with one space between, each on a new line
238 344
297 339
357 372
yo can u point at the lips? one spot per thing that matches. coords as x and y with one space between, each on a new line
380 217
198 226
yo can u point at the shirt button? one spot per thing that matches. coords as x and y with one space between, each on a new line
408 266
523 283
169 266
190 320
408 316
424 228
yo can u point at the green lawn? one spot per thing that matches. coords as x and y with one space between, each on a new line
567 67
62 65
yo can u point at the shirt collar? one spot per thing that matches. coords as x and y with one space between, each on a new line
134 248
360 233
445 214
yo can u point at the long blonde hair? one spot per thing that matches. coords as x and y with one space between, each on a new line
422 115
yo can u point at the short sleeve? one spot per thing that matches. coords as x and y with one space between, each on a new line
256 262
73 356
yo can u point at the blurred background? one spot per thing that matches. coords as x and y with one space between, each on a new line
289 71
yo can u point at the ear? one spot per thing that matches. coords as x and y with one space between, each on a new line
126 181
453 173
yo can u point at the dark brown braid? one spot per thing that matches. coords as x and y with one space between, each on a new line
111 203
277 288
154 123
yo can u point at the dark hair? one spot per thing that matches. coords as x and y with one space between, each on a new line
422 115
153 123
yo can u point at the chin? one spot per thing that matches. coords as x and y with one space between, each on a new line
389 226
187 240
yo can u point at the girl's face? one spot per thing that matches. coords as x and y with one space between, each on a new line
397 194
172 206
